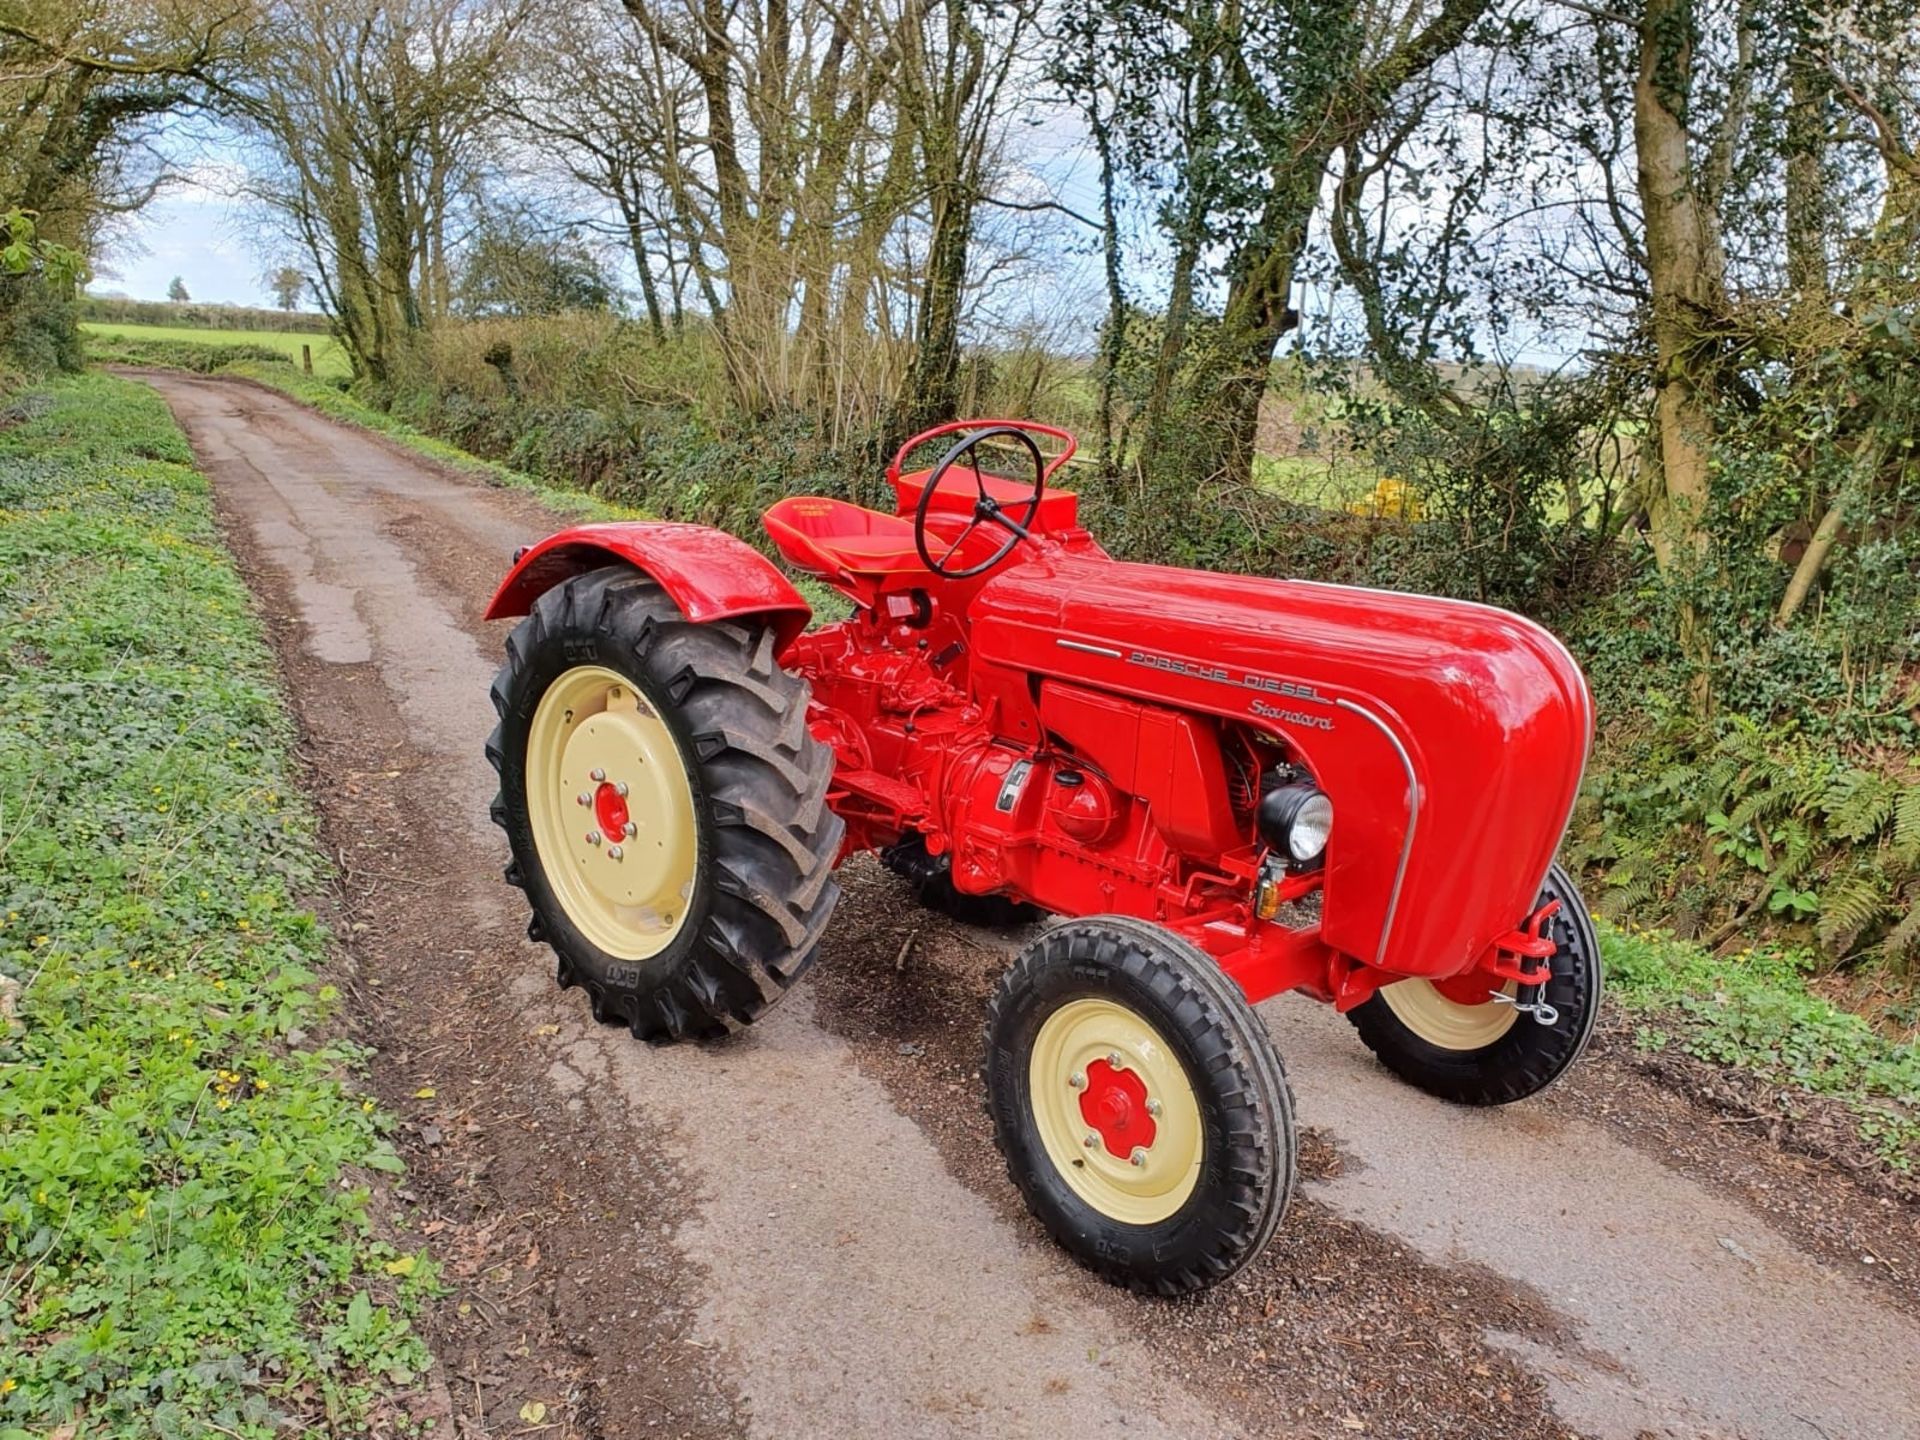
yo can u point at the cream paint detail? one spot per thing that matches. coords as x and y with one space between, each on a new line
1447 1023
628 892
1070 1041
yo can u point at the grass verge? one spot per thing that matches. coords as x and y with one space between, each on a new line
1753 1012
187 1245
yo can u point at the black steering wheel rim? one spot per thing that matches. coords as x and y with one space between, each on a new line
986 508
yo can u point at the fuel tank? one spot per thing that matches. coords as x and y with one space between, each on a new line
1451 736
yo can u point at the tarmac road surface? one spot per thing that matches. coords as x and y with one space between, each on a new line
802 1232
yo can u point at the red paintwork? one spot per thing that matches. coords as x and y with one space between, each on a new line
1114 1105
709 574
1068 444
610 812
1088 735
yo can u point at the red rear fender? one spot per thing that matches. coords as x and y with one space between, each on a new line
709 574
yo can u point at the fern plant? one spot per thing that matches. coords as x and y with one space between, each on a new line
1763 826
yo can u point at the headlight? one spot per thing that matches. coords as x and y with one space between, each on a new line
1297 819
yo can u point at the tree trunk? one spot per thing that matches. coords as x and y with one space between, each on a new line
932 388
1806 208
1686 278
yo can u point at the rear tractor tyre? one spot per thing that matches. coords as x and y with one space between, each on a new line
1490 1053
665 805
1140 1104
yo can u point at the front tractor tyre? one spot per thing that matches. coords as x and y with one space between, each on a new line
1140 1104
1487 1051
665 805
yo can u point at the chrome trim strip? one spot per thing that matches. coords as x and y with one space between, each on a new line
1089 649
1413 816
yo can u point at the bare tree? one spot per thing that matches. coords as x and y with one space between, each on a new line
367 113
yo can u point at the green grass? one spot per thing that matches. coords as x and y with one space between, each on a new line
329 360
1332 484
185 1240
1753 1011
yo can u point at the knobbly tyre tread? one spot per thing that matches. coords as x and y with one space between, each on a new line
765 888
1241 1198
1529 1057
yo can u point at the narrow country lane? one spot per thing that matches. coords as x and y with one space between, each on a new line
804 1232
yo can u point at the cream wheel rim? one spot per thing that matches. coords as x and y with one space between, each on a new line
612 812
1420 1006
1115 1111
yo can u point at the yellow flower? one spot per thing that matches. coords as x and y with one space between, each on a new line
219 984
366 1105
224 1103
244 925
9 1385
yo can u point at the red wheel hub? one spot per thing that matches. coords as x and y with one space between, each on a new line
610 810
1114 1104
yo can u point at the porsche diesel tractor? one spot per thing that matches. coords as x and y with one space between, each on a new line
1206 789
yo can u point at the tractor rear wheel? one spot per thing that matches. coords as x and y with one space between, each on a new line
665 805
1140 1104
1490 1052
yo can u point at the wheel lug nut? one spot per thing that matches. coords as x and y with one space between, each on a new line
1077 1081
593 837
1153 1107
1113 1059
632 829
613 852
598 776
1091 1140
621 789
1138 1157
584 798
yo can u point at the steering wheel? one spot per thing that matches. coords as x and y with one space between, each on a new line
986 510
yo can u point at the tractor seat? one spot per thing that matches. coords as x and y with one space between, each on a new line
831 538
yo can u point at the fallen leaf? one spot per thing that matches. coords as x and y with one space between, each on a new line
425 1092
403 1266
533 1412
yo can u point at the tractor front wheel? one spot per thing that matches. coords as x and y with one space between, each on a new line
1140 1104
665 805
1488 1051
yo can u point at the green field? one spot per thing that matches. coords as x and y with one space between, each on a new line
329 360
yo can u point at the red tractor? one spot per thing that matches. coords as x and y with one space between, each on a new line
1223 786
